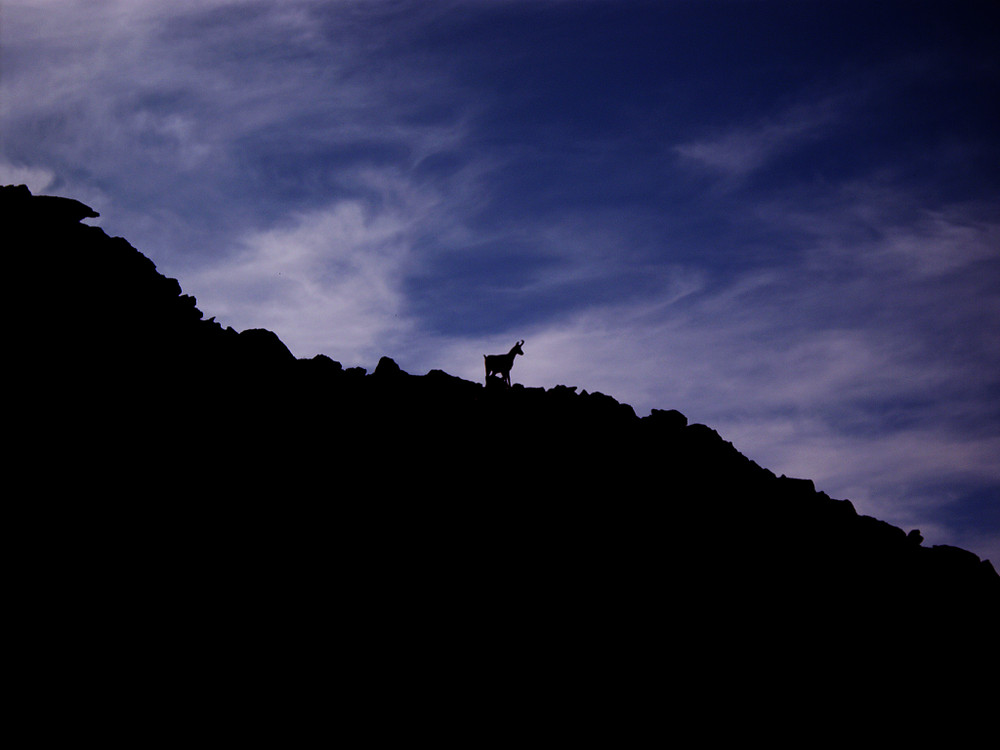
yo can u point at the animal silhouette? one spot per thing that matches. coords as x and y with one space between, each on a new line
500 364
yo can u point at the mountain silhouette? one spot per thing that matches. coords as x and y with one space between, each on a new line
195 497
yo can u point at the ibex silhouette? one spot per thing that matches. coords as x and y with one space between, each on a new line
501 363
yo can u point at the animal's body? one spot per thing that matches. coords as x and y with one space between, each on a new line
500 364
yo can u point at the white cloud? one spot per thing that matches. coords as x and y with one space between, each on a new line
327 282
737 152
941 242
37 179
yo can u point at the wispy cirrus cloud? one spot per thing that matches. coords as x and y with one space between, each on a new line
735 153
267 108
329 280
328 283
37 179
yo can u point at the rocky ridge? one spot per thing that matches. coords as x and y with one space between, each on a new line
172 454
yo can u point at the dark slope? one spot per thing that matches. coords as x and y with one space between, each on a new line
234 505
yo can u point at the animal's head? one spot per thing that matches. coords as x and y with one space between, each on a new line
517 348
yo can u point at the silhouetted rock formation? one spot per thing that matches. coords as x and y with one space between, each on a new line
185 473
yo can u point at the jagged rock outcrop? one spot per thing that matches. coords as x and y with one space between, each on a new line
210 469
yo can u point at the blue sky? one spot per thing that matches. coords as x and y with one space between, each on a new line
780 218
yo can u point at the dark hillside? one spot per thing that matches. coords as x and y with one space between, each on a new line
198 496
